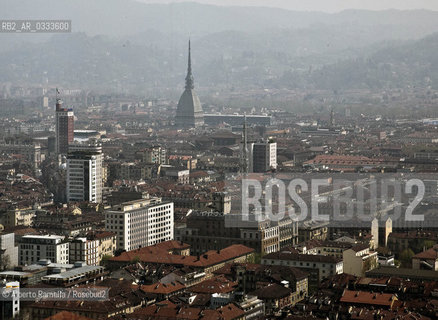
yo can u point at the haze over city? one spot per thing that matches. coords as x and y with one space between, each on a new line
321 5
218 160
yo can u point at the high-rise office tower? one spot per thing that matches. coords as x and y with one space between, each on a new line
189 113
64 128
263 156
84 173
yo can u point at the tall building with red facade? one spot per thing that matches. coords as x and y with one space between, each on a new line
64 128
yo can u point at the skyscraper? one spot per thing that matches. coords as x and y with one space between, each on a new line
64 128
84 173
264 156
189 113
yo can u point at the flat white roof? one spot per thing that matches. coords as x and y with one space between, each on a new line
73 273
48 236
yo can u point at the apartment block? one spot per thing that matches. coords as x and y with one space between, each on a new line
140 223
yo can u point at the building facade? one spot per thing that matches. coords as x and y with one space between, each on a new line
64 128
31 151
84 173
212 230
319 267
140 223
84 250
33 248
8 251
264 156
359 259
154 155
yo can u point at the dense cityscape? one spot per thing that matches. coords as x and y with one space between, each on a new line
154 200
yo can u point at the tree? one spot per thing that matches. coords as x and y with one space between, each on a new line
427 244
369 264
5 262
255 258
136 259
104 259
406 257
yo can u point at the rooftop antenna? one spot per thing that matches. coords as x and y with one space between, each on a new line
58 100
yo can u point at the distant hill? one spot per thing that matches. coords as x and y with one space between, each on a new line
125 17
414 63
127 45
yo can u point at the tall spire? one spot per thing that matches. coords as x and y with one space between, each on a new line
189 78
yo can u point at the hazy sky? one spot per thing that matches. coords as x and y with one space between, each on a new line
323 5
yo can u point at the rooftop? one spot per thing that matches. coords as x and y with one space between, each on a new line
371 298
213 257
301 257
272 291
74 273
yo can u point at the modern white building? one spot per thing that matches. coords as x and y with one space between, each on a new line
8 250
33 248
84 173
140 223
263 156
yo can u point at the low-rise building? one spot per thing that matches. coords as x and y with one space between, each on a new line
207 262
275 297
364 298
400 241
251 276
164 291
319 267
359 259
253 307
386 260
326 248
123 299
86 250
215 230
106 243
179 175
309 230
426 260
33 248
80 274
17 217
